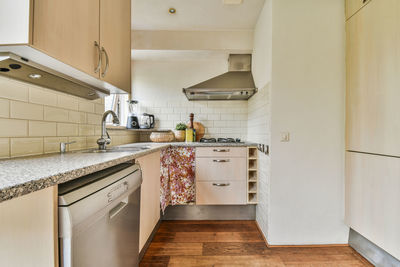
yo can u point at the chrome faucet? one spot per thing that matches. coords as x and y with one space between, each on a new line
105 140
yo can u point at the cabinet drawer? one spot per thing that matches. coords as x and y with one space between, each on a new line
218 168
221 152
221 193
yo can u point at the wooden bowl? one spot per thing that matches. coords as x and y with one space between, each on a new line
180 135
160 137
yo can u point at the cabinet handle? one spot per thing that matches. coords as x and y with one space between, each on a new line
103 74
221 150
221 160
215 184
96 70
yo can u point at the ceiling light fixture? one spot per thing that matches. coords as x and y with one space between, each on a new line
172 10
35 76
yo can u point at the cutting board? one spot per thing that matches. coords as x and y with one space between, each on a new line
200 130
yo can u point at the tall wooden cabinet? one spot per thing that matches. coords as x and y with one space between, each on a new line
373 80
373 121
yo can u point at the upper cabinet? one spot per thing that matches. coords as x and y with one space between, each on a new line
69 31
352 6
115 41
373 80
88 40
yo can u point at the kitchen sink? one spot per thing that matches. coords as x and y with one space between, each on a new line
118 149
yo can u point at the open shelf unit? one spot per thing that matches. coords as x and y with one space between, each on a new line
252 175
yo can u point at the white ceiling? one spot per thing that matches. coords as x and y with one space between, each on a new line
194 15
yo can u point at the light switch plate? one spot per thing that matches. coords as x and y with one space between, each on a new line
285 137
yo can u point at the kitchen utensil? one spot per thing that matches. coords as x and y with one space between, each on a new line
146 121
133 120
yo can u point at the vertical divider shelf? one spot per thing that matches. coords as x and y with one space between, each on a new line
252 175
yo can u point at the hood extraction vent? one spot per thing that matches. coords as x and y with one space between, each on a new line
19 68
236 84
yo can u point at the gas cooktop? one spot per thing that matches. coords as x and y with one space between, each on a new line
219 140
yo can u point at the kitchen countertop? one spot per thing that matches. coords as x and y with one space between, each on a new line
21 176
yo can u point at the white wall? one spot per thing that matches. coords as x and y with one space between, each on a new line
308 84
158 87
259 108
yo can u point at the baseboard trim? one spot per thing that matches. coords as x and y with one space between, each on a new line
148 242
297 246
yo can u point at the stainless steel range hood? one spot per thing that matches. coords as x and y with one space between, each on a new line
20 68
236 84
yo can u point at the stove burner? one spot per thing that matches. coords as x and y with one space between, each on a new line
226 140
219 140
208 140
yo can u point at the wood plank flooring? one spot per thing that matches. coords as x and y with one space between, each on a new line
234 243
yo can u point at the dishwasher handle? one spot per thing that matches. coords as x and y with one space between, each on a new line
117 209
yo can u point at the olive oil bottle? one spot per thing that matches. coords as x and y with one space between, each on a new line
190 132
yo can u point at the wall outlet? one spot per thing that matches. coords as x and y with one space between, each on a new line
285 137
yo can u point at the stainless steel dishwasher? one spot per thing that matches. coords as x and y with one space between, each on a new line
99 218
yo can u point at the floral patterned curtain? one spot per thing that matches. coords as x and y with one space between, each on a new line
177 176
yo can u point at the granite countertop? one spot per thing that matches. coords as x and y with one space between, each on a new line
21 176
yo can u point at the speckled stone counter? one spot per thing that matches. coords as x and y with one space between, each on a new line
21 176
198 144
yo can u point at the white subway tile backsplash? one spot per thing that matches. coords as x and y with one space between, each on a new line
14 90
4 108
42 96
214 115
41 128
13 128
31 117
26 146
67 102
4 148
55 114
86 106
67 129
23 110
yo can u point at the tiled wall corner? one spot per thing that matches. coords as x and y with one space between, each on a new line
258 130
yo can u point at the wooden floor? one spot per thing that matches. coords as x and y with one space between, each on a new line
234 243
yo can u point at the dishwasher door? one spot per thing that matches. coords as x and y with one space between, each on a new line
102 228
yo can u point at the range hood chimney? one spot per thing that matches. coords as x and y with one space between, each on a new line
236 84
20 68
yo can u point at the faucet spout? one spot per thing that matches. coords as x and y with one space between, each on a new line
105 139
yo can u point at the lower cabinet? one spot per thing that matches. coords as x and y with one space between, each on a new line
149 196
221 193
29 230
373 199
221 176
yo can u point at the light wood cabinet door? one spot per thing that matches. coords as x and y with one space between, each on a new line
373 199
353 6
29 230
115 39
67 30
373 80
149 196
